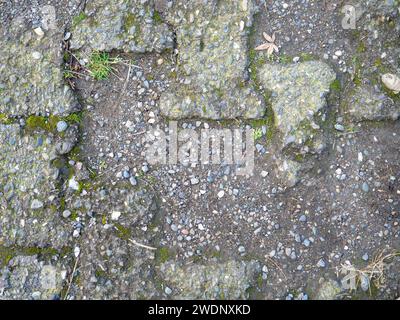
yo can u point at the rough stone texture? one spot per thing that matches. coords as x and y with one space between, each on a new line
298 97
116 268
31 77
28 186
289 171
212 40
27 278
130 26
298 94
367 104
228 280
328 290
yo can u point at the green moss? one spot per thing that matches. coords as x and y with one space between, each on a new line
85 185
75 153
260 281
74 215
299 157
336 86
62 203
78 19
361 47
4 119
7 253
37 122
74 118
66 57
58 163
219 92
92 173
122 232
357 80
258 134
101 274
163 254
378 63
285 59
307 57
129 22
157 17
49 124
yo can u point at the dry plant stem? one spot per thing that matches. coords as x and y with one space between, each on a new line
71 278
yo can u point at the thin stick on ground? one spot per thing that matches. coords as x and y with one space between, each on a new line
276 265
141 245
71 279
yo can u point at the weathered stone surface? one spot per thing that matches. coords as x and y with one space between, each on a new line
130 26
298 94
212 39
115 267
28 186
288 171
28 278
364 103
298 99
31 77
228 280
328 290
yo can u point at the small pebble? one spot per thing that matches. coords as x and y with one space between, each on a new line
321 263
365 187
66 213
61 126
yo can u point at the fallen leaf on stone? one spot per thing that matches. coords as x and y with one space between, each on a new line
270 45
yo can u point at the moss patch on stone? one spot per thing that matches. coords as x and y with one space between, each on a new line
7 253
5 119
78 18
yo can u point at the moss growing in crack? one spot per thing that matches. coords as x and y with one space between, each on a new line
304 57
75 118
157 17
336 86
37 122
78 19
62 203
49 124
7 253
285 59
258 134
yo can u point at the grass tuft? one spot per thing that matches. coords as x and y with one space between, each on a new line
100 65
